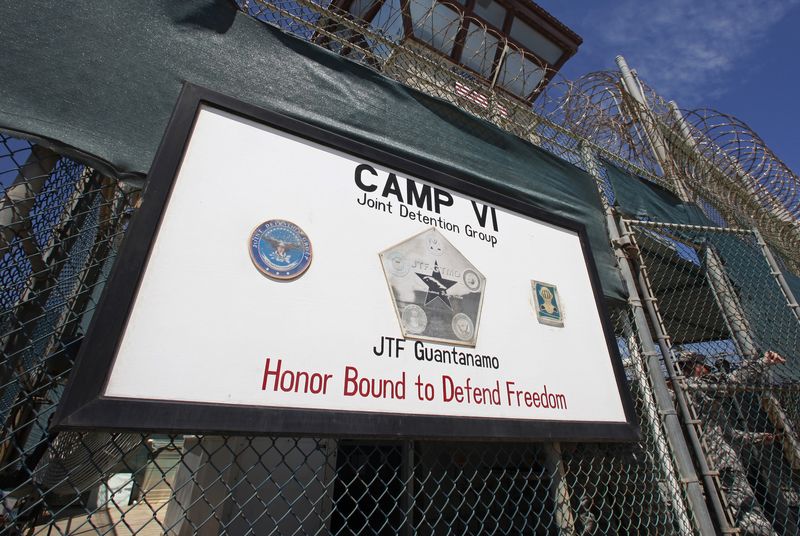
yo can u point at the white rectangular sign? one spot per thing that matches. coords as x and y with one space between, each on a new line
287 274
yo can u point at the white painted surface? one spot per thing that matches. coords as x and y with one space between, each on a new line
206 319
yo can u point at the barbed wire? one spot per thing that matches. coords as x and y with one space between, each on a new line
726 167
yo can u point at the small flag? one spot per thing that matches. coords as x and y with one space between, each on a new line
463 90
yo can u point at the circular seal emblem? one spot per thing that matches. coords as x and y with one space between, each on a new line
471 280
396 263
414 318
280 250
463 327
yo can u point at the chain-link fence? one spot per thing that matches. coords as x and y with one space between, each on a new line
734 340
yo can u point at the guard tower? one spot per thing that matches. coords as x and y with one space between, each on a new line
513 46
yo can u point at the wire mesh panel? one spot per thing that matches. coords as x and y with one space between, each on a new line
735 344
61 223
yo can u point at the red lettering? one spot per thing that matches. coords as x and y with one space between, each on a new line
447 388
268 373
509 390
289 381
350 385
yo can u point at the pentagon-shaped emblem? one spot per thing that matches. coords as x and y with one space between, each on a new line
548 306
437 293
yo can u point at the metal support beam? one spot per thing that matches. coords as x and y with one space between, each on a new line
728 303
653 415
651 130
559 490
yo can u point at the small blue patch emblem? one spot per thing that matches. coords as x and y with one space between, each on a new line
280 250
548 306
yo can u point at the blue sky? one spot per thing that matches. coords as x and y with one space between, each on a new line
741 57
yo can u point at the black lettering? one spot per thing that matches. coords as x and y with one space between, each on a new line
480 214
441 198
421 198
392 187
359 170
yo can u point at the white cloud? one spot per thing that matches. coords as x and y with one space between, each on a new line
689 50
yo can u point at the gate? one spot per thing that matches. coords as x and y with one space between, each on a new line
717 300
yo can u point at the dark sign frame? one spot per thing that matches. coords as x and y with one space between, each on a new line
84 407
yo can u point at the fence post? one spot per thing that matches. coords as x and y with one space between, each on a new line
651 128
559 489
728 303
408 475
638 356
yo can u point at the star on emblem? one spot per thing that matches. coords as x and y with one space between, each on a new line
437 285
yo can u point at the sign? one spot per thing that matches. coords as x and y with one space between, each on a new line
281 279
